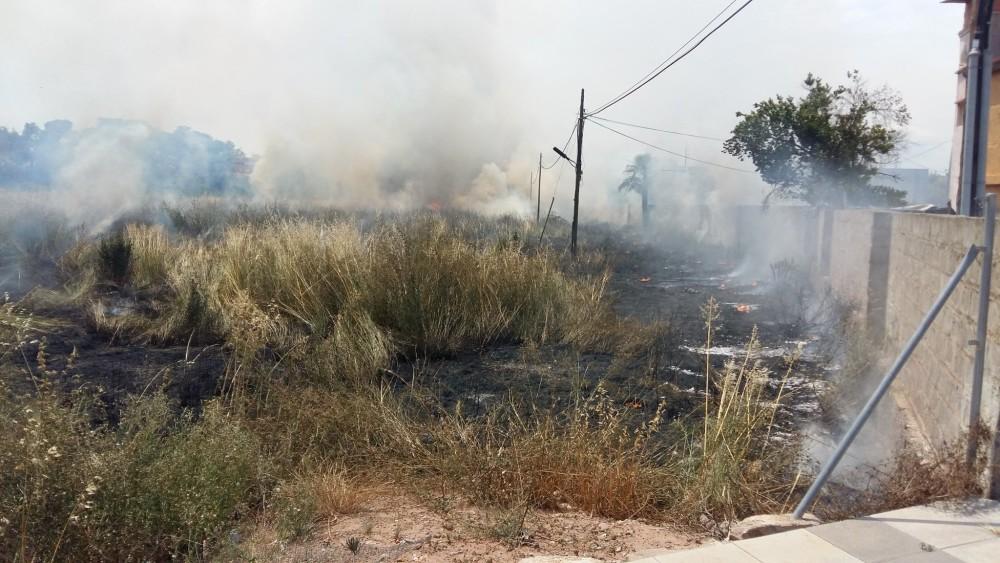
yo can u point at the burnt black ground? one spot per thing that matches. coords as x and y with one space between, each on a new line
649 283
110 367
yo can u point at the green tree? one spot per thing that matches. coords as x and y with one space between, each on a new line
637 180
825 147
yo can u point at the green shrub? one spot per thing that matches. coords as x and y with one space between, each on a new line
155 487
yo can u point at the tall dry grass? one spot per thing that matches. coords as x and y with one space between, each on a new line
312 311
736 467
598 454
421 288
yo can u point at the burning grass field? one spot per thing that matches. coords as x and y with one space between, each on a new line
198 379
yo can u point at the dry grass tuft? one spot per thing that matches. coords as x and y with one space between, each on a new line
349 298
318 494
914 478
735 468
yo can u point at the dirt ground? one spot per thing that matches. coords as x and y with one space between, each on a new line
398 528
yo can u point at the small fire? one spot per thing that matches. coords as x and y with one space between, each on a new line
743 308
434 206
645 279
722 286
755 283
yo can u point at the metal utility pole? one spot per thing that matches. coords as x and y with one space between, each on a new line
985 280
579 175
979 75
538 211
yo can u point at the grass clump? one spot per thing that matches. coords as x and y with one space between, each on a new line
736 469
355 297
155 487
315 495
913 478
114 255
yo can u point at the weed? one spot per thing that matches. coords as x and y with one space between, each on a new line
114 254
507 525
353 544
154 487
914 478
735 469
306 498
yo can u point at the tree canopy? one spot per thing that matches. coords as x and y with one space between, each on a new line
825 147
636 175
637 179
183 161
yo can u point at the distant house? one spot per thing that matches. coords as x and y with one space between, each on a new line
993 156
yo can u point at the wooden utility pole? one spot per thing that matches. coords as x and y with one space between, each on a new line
579 175
538 212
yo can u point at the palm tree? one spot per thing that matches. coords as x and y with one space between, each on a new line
637 180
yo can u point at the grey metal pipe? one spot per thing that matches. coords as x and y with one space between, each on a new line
967 183
883 387
985 279
982 143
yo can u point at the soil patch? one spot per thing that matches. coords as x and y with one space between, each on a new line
399 528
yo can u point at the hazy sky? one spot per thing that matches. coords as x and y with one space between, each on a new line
376 91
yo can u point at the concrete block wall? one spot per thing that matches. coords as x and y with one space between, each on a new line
850 250
893 266
860 243
936 382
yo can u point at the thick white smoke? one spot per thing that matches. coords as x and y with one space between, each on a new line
402 103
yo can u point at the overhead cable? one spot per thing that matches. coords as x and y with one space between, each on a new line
665 65
668 151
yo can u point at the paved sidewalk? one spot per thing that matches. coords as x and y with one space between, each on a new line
967 531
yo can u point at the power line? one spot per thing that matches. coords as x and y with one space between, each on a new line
565 146
659 130
668 151
678 50
633 89
923 152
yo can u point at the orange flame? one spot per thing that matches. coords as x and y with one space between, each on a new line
743 308
645 279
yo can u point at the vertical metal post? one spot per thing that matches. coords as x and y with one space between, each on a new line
985 279
983 141
970 123
538 210
579 175
883 387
